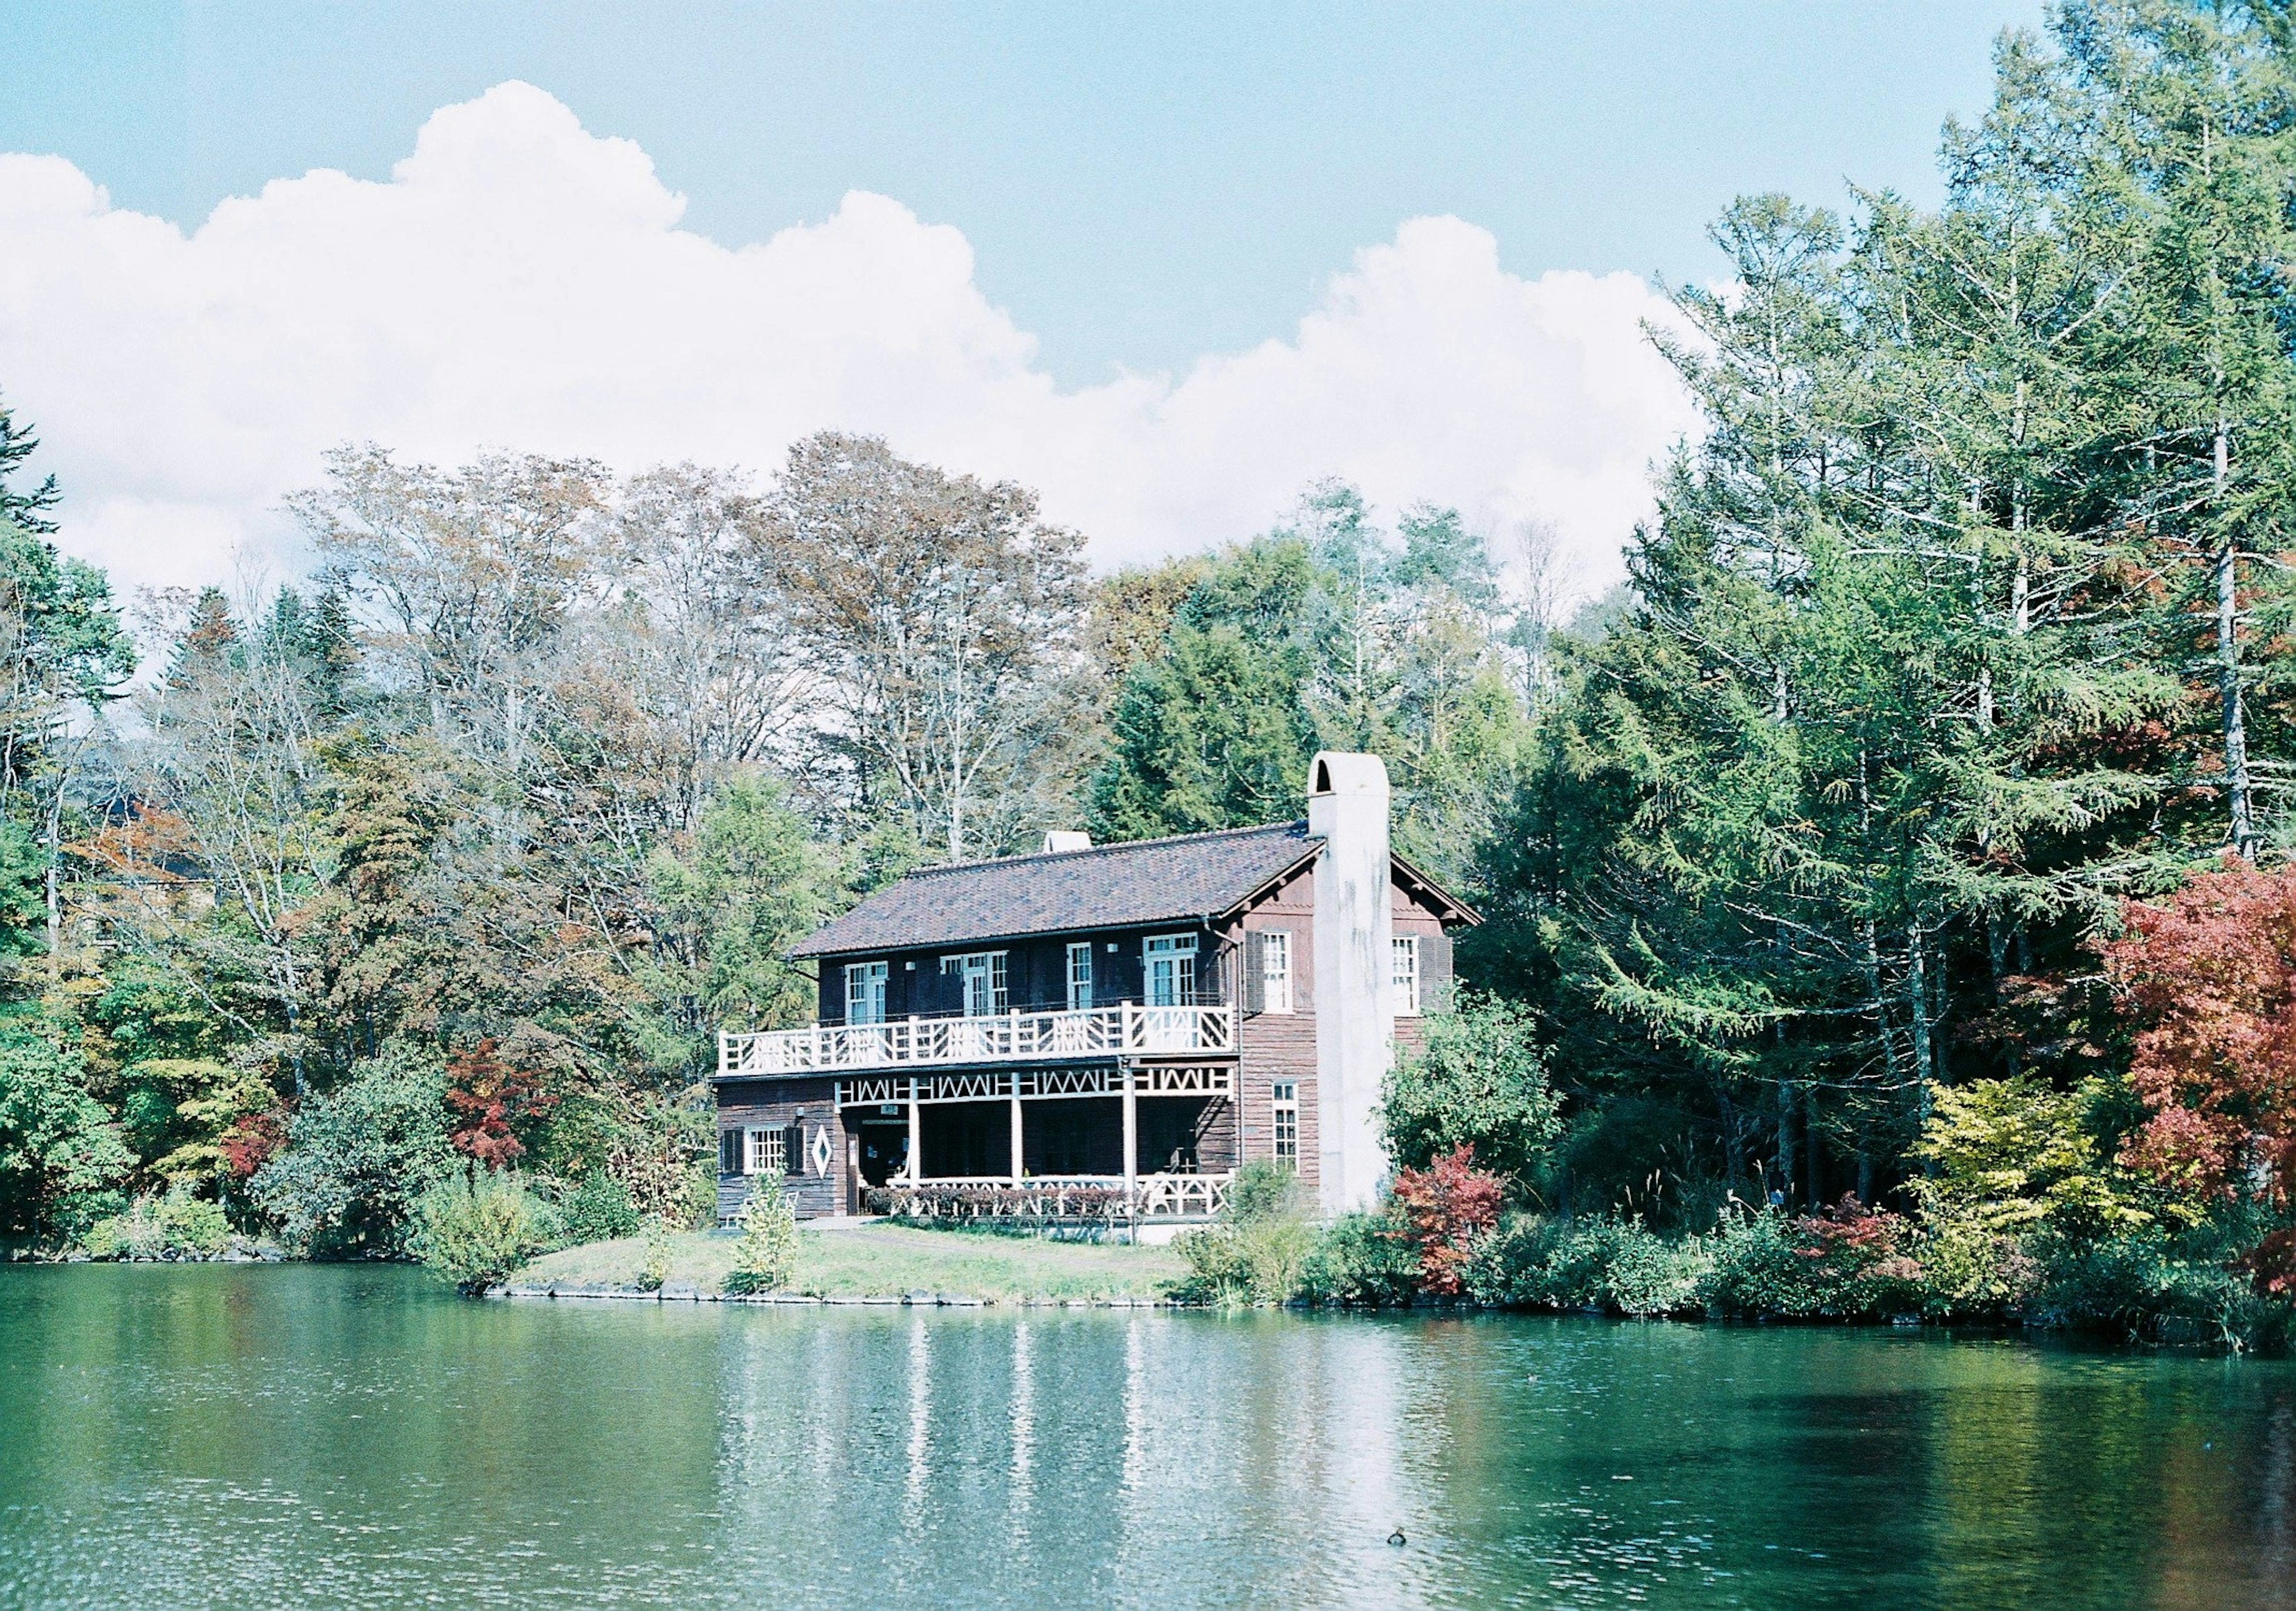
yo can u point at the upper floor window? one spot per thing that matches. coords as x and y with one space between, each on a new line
983 973
1169 962
1079 977
865 993
1267 971
1407 976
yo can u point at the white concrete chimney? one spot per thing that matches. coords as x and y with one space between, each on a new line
1355 973
1062 841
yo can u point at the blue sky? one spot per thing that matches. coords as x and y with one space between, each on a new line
1140 186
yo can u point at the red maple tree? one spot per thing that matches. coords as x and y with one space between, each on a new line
251 1139
2210 978
493 1100
1445 1206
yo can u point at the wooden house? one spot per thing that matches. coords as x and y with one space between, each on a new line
1108 1029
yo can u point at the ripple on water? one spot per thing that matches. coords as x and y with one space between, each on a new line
358 1438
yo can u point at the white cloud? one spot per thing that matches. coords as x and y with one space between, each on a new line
519 283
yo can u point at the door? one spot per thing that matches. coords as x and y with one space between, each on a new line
1168 968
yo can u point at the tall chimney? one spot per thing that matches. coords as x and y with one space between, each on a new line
1354 973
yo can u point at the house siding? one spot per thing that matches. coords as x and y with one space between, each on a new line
1272 1046
775 1104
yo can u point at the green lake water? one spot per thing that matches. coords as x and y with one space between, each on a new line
345 1437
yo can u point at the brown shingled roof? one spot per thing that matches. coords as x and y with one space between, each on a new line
1107 886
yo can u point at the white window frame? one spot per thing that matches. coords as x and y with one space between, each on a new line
987 969
1405 949
1179 952
1274 969
1283 1123
1081 976
765 1148
863 1005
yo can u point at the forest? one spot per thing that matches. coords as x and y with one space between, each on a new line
1905 847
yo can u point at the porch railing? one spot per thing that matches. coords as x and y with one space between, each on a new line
1054 1197
1006 1037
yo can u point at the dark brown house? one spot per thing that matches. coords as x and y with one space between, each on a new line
1123 1024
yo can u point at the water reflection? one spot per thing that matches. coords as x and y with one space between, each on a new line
357 1438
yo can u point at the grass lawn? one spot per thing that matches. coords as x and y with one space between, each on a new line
870 1261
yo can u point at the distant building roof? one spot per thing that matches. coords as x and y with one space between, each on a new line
1109 886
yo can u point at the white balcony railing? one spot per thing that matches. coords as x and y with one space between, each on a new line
1008 1037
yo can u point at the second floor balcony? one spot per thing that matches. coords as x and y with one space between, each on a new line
1123 1030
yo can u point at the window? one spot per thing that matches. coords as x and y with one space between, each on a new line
865 993
1081 976
1287 1122
983 973
1267 971
768 1150
1407 976
1170 965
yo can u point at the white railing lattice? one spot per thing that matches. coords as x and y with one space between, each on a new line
1005 1038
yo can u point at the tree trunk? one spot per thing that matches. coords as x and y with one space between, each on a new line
1786 1139
2235 723
1917 995
1813 1192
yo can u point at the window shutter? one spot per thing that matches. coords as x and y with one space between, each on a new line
793 1151
729 1152
1435 973
1255 972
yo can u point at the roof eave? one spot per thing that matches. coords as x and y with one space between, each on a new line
1454 911
803 955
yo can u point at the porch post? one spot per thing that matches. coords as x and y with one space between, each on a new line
1013 1080
1131 1148
917 1135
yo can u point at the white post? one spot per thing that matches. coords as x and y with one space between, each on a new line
1016 1132
1131 1149
917 1135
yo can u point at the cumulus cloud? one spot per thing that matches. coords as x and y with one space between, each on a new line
521 282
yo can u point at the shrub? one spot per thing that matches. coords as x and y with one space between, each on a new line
357 1158
2010 1155
1969 1274
1619 1266
475 1227
1845 1263
657 1256
62 1158
1443 1209
2150 1284
176 1225
1481 1083
598 1209
1364 1259
1257 1252
764 1259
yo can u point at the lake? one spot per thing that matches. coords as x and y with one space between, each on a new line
298 1435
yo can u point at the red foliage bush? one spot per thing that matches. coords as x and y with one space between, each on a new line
251 1139
492 1101
1851 1237
2210 978
1445 1206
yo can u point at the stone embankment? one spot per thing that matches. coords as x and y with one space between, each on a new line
687 1292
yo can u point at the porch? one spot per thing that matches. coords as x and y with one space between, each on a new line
1124 1142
